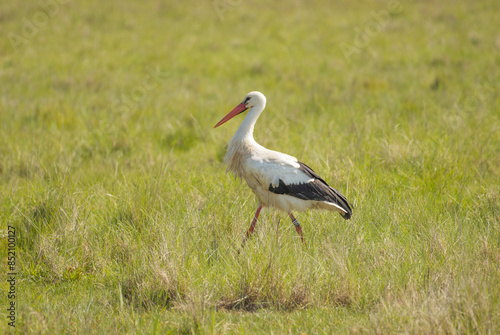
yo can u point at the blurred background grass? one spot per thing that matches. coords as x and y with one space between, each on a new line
113 176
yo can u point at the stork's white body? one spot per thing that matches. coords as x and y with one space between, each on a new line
261 168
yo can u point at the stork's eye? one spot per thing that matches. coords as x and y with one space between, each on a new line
246 100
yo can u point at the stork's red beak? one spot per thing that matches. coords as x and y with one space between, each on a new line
237 110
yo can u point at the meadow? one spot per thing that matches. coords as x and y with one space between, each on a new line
112 175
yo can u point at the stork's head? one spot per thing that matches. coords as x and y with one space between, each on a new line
251 100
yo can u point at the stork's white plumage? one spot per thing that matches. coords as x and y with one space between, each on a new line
278 180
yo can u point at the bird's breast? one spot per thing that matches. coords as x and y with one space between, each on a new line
237 158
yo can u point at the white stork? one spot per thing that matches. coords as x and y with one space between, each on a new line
278 180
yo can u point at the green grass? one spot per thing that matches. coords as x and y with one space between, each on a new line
127 223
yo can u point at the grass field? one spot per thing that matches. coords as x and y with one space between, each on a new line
112 176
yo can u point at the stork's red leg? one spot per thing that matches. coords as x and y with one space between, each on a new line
254 221
298 228
252 226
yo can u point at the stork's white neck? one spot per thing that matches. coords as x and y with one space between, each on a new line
242 142
245 130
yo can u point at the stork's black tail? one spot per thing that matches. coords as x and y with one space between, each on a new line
328 193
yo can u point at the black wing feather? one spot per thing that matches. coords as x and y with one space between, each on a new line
317 190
